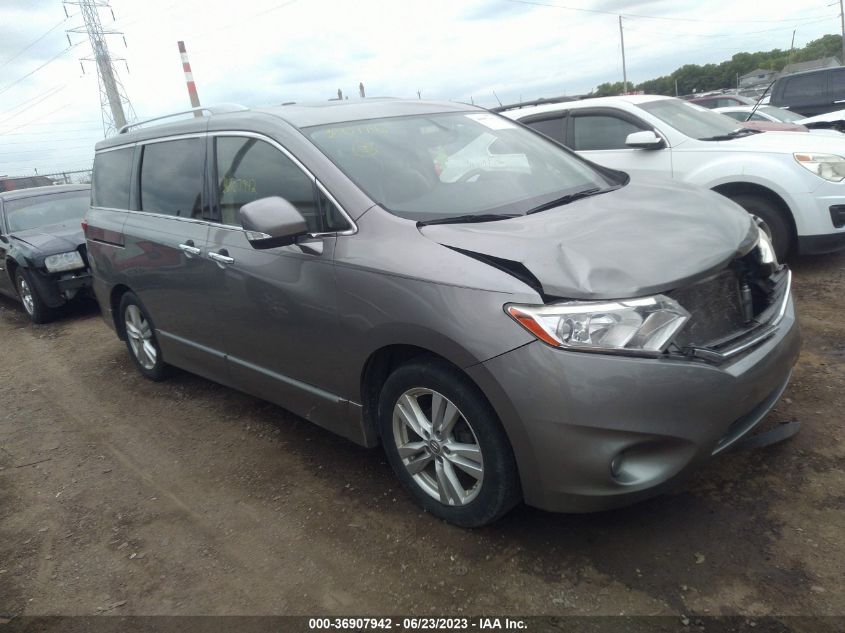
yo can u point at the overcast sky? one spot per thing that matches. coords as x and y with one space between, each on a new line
259 52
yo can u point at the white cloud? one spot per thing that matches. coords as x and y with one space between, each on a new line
270 51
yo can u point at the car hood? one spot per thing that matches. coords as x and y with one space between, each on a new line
647 237
785 142
838 115
57 238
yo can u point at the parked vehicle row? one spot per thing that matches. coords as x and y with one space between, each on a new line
506 318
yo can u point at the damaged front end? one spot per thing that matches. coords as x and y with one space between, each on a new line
736 308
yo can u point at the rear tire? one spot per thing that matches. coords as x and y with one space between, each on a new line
446 444
139 332
33 305
780 229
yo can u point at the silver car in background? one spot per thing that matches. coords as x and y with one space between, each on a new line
510 321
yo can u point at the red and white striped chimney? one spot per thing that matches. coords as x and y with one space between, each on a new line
189 79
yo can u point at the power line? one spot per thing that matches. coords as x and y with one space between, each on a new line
33 43
35 101
35 119
32 72
656 17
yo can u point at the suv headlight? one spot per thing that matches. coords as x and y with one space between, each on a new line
639 326
64 261
828 166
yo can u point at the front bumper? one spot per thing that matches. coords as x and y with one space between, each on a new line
597 431
56 289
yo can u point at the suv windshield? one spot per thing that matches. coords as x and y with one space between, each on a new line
466 164
690 119
45 210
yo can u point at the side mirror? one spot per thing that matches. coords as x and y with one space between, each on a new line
646 139
271 222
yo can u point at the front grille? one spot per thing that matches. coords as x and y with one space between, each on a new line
715 307
730 304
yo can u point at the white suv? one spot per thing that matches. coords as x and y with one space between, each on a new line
794 182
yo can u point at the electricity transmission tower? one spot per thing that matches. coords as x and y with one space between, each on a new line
114 104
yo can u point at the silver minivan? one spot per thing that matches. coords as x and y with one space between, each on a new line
509 321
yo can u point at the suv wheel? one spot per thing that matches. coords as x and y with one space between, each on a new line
779 229
35 308
140 338
446 444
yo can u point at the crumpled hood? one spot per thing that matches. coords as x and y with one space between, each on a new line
646 237
48 240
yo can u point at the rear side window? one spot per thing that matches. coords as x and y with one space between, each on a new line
249 169
172 177
112 171
595 132
805 88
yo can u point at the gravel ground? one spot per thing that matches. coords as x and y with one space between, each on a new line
122 496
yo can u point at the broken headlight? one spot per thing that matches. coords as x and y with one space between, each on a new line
64 261
639 326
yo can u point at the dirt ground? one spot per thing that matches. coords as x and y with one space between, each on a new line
122 496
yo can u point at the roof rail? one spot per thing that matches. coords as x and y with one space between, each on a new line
223 108
524 104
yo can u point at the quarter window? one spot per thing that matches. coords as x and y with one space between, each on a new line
172 177
598 131
553 128
249 169
112 171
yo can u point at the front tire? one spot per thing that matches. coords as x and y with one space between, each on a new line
779 228
446 444
141 341
33 305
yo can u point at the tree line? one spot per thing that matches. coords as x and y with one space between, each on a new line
697 78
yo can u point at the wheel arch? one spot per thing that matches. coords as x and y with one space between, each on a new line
729 189
115 296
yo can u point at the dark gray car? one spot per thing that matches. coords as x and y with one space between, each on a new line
508 320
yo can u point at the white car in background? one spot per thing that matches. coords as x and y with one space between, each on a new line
794 182
817 124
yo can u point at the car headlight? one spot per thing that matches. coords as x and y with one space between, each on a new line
638 326
828 166
765 248
64 261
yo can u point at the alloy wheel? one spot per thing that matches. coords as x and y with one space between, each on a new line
26 296
437 446
140 336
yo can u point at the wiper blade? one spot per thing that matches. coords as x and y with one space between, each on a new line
468 219
571 197
743 131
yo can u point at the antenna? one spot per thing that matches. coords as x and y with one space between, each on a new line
113 99
497 98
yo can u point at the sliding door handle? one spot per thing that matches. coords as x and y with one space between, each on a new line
222 258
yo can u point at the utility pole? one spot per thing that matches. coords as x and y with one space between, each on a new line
624 70
113 98
189 79
791 48
842 24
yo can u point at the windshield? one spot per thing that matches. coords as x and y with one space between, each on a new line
38 211
690 119
430 167
780 114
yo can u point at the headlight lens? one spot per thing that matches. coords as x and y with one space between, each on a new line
828 166
645 326
64 261
765 248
